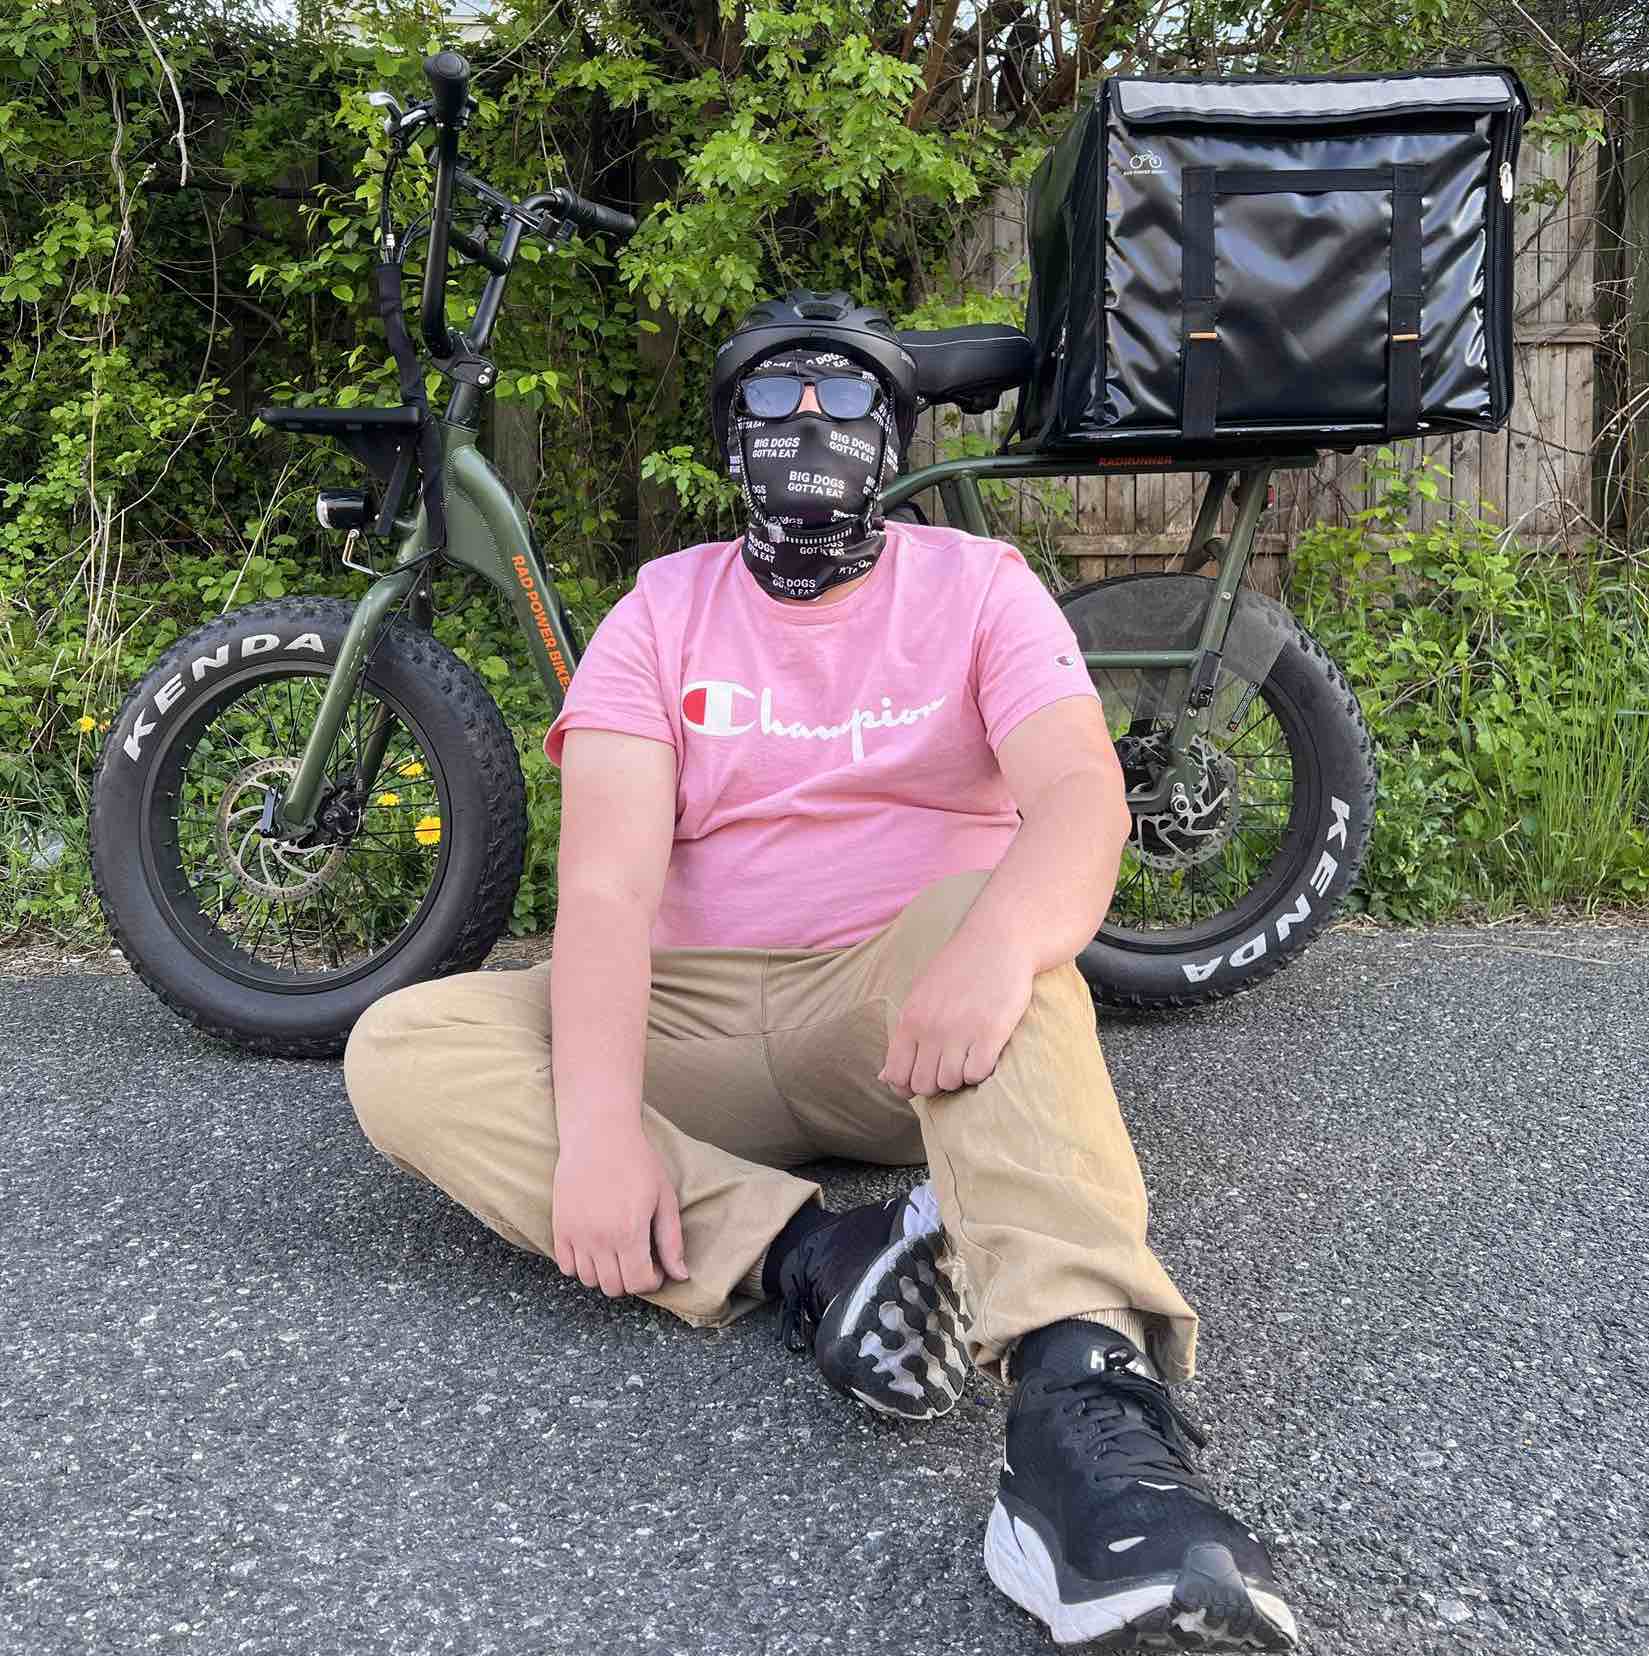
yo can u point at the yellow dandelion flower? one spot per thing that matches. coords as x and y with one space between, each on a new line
389 799
411 768
428 830
84 722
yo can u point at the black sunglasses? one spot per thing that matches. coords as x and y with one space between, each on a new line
778 396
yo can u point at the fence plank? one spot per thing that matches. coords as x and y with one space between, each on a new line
1579 391
1466 462
1430 513
1552 226
1150 504
1293 503
1119 506
1179 503
1550 451
1522 464
1580 298
1493 447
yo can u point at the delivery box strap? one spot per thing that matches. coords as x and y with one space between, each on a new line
1200 311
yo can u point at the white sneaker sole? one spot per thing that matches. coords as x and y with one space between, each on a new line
1208 1607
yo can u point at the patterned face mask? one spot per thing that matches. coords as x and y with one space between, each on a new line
812 485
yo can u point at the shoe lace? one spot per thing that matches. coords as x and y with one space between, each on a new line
1131 1425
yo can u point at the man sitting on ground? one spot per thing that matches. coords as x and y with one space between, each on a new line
839 809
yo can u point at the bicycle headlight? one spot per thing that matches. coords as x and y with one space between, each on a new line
342 508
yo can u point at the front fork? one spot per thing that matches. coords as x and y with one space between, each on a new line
486 531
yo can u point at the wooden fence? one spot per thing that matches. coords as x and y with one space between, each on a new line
1534 475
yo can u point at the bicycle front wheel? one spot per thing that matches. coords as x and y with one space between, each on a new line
278 944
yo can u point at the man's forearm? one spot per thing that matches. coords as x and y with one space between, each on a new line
600 983
1054 883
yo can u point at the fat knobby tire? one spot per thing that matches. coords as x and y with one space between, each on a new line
487 821
1335 777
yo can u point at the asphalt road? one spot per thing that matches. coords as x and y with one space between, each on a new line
259 1392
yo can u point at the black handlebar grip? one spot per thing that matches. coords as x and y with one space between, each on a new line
592 215
449 79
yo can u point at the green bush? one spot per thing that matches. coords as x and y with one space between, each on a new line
1507 688
186 200
59 695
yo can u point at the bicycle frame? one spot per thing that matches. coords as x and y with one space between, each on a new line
958 484
487 531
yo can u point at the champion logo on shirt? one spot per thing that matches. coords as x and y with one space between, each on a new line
718 707
1066 660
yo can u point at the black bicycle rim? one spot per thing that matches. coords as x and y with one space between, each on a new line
1282 872
175 895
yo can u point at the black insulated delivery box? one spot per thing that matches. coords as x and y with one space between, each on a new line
1234 262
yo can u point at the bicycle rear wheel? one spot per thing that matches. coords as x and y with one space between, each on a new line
1232 880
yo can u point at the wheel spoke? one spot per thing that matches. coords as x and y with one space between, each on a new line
286 915
263 707
329 906
269 909
1228 843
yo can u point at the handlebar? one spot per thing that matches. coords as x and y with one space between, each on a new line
590 214
449 79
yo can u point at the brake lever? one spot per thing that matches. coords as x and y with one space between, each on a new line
399 124
549 225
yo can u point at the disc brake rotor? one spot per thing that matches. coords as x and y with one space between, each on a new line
1199 819
268 867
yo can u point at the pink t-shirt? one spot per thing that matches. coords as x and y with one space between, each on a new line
831 759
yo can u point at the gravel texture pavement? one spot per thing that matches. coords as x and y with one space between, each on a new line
260 1392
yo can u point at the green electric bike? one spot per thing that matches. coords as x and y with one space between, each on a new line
306 804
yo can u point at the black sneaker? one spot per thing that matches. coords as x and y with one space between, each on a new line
1103 1527
871 1291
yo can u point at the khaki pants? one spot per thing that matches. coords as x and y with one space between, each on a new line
759 1059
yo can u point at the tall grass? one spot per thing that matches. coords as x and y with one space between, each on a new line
1580 837
1507 688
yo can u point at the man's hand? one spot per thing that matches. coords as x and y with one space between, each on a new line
613 1205
957 1018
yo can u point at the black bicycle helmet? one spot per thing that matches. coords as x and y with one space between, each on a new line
828 321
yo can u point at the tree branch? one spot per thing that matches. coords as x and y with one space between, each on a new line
177 95
938 49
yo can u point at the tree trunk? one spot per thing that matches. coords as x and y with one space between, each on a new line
658 509
1622 489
